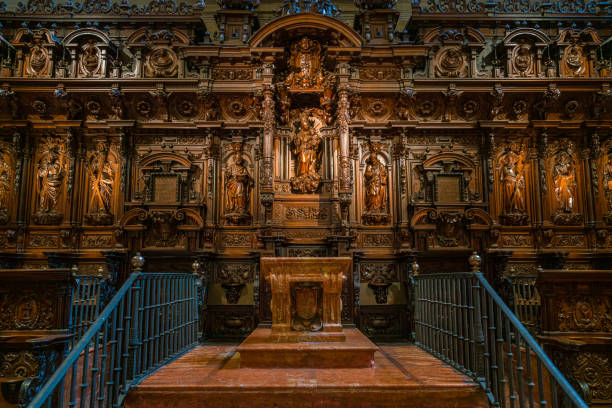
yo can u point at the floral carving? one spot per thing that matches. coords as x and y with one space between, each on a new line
584 313
26 312
595 371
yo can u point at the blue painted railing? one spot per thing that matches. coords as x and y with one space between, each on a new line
460 319
152 319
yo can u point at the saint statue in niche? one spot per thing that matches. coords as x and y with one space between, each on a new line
5 184
512 180
50 176
376 180
607 176
101 179
376 185
305 64
238 184
5 188
306 141
565 182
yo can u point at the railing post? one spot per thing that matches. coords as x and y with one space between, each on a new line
415 269
134 335
199 300
479 341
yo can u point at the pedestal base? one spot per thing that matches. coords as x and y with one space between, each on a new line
263 349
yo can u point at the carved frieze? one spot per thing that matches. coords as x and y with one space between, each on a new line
516 240
236 240
377 240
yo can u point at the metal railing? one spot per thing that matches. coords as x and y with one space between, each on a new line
460 319
527 304
86 302
151 320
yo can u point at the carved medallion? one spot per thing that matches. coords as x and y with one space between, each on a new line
161 62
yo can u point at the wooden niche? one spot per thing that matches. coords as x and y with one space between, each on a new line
166 209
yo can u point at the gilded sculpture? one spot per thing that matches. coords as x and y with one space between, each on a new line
565 182
565 185
512 178
305 65
237 198
101 182
50 174
376 184
306 143
607 179
6 186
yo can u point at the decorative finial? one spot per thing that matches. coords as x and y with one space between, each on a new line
75 270
100 272
475 262
416 268
137 262
195 266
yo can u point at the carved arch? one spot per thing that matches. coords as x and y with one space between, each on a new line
76 34
165 157
449 156
23 33
539 35
306 20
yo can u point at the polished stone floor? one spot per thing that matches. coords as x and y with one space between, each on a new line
210 376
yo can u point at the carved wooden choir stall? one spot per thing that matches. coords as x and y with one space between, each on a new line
381 132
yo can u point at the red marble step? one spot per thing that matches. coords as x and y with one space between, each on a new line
262 349
211 377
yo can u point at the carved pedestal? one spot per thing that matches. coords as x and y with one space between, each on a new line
306 318
306 296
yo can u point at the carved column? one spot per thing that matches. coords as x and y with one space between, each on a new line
345 161
267 176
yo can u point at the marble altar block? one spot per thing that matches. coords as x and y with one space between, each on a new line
306 326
